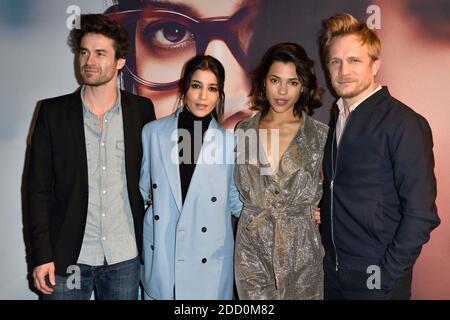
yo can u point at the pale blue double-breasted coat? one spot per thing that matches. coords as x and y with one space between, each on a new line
188 249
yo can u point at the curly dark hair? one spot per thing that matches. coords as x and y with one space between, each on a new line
204 62
310 98
100 24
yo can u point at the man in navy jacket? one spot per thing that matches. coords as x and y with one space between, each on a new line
378 207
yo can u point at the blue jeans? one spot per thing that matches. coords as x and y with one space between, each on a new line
118 281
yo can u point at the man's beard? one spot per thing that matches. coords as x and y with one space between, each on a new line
353 91
98 79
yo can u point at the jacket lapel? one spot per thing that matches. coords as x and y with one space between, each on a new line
201 171
308 140
168 142
131 134
76 124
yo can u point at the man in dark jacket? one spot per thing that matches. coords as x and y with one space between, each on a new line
378 206
86 211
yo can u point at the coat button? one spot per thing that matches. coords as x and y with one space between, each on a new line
213 199
154 186
204 260
152 247
156 217
204 229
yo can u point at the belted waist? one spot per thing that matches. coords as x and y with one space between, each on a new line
258 213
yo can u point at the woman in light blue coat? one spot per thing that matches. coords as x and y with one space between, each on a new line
187 181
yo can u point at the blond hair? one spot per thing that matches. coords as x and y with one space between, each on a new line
346 24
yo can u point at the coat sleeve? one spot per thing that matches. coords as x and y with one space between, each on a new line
40 189
235 202
412 159
145 178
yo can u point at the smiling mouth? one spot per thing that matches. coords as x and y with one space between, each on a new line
89 71
345 82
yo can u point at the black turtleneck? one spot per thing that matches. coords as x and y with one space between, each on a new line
186 120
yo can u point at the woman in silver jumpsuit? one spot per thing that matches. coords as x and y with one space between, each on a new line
278 252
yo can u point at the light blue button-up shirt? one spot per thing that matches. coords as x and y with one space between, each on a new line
109 229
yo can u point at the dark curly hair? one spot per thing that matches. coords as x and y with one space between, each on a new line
310 98
204 62
100 24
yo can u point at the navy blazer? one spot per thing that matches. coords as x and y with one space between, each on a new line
378 205
58 176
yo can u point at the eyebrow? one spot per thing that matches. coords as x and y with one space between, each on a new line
179 6
211 84
95 50
272 75
173 6
347 57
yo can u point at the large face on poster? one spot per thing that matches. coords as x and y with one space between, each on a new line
167 33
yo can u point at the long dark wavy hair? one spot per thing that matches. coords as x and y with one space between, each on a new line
310 98
204 62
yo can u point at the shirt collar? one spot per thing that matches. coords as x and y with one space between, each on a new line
116 107
340 102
